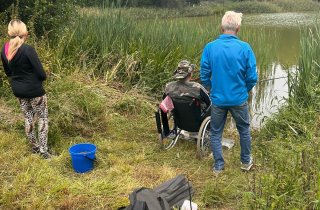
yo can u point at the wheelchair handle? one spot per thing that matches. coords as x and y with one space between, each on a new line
193 100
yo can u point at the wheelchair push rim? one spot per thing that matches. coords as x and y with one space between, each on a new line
203 143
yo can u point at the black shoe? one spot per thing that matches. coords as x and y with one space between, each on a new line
46 155
35 150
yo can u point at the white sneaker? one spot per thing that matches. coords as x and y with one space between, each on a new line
246 167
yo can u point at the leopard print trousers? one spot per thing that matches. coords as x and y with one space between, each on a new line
30 108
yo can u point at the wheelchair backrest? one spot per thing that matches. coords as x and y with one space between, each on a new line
187 115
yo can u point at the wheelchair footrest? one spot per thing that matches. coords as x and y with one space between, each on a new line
189 136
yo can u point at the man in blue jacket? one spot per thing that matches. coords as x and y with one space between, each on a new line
228 70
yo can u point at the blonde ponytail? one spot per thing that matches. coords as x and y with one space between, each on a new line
16 30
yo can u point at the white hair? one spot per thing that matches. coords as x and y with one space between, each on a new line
231 20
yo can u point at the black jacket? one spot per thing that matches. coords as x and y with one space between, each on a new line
26 72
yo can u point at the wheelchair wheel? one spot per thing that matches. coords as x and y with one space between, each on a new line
203 143
169 141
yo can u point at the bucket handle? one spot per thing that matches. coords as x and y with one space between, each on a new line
93 160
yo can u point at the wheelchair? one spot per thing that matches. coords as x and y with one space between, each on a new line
186 121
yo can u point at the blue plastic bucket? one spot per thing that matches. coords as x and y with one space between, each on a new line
83 157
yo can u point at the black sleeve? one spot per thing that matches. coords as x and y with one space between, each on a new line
34 59
205 97
164 96
5 64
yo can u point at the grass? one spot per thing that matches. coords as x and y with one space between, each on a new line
128 154
284 176
99 92
288 147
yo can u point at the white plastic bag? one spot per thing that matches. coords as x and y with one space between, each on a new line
186 205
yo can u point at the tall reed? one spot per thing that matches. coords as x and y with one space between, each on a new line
111 44
304 85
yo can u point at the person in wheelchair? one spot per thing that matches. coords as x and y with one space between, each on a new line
191 111
185 90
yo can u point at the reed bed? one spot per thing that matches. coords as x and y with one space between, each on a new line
112 45
304 82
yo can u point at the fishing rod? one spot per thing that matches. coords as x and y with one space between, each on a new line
264 80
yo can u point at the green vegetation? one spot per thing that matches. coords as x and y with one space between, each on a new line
44 18
304 83
107 71
113 46
273 6
288 145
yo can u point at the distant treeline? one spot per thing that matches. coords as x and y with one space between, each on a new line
106 3
138 3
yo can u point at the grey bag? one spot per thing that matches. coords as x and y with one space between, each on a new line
146 199
175 191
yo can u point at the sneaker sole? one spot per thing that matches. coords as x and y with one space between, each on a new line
248 168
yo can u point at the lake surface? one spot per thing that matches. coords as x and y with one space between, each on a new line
270 92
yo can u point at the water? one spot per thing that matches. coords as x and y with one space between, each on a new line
282 20
268 95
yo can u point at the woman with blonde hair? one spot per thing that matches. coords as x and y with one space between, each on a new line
21 63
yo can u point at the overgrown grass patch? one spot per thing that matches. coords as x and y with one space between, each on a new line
128 155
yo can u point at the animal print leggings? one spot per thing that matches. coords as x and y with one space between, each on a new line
31 107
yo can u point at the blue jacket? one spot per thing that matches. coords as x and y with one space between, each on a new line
229 66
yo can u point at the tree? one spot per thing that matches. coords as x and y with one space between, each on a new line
45 16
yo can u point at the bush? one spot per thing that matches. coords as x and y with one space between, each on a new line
291 6
254 7
42 17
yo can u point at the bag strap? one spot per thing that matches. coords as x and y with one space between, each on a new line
161 201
